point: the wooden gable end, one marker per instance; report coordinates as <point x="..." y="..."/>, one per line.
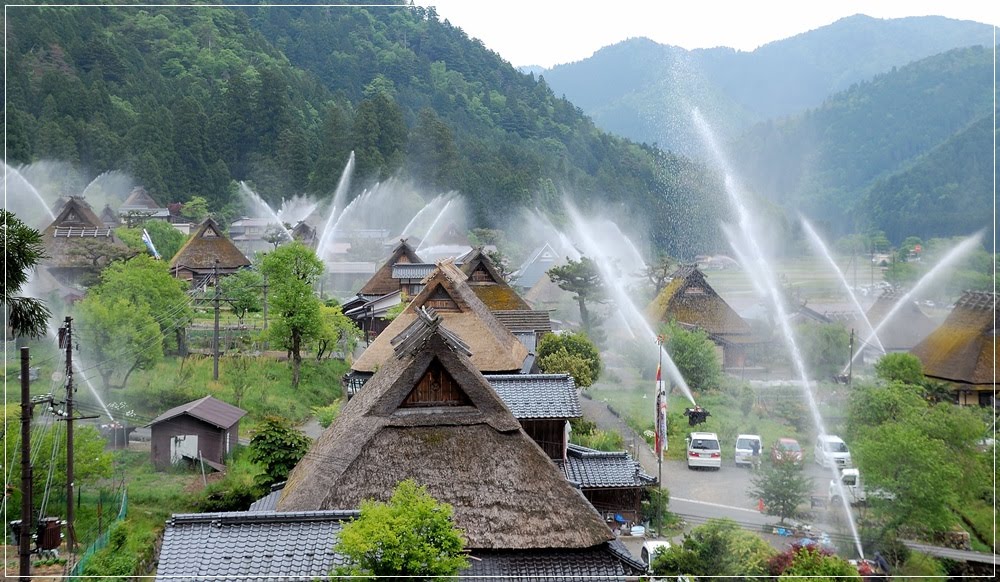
<point x="210" y="232"/>
<point x="440" y="300"/>
<point x="436" y="388"/>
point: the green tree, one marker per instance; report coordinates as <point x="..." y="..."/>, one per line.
<point x="195" y="209"/>
<point x="659" y="270"/>
<point x="783" y="487"/>
<point x="900" y="367"/>
<point x="412" y="535"/>
<point x="243" y="291"/>
<point x="694" y="355"/>
<point x="337" y="330"/>
<point x="825" y="348"/>
<point x="23" y="250"/>
<point x="718" y="548"/>
<point x="278" y="447"/>
<point x="818" y="565"/>
<point x="570" y="353"/>
<point x="167" y="239"/>
<point x="275" y="234"/>
<point x="143" y="280"/>
<point x="120" y="336"/>
<point x="292" y="269"/>
<point x="583" y="279"/>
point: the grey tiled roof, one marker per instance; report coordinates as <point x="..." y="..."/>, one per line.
<point x="268" y="502"/>
<point x="245" y="546"/>
<point x="525" y="320"/>
<point x="275" y="545"/>
<point x="412" y="270"/>
<point x="599" y="469"/>
<point x="531" y="396"/>
<point x="604" y="563"/>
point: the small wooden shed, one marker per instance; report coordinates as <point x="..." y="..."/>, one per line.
<point x="206" y="429"/>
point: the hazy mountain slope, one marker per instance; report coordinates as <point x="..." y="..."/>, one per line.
<point x="823" y="161"/>
<point x="645" y="90"/>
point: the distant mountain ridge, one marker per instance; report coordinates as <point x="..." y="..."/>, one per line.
<point x="643" y="90"/>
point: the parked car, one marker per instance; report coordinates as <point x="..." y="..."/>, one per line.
<point x="703" y="450"/>
<point x="786" y="450"/>
<point x="649" y="550"/>
<point x="743" y="454"/>
<point x="831" y="450"/>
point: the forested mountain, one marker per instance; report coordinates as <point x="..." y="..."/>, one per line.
<point x="644" y="90"/>
<point x="189" y="99"/>
<point x="907" y="152"/>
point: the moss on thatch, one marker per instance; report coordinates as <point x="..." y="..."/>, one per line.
<point x="963" y="349"/>
<point x="689" y="299"/>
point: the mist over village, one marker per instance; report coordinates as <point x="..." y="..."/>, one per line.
<point x="318" y="292"/>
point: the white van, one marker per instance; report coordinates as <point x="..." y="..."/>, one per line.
<point x="831" y="450"/>
<point x="744" y="449"/>
<point x="703" y="450"/>
<point x="649" y="550"/>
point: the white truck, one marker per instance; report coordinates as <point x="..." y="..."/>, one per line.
<point x="853" y="489"/>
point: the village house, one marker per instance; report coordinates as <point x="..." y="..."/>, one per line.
<point x="380" y="293"/>
<point x="79" y="244"/>
<point x="206" y="253"/>
<point x="140" y="207"/>
<point x="689" y="300"/>
<point x="962" y="351"/>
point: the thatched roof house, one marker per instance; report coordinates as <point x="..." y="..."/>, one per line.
<point x="139" y="207"/>
<point x="430" y="416"/>
<point x="489" y="285"/>
<point x="535" y="267"/>
<point x="382" y="283"/>
<point x="78" y="242"/>
<point x="908" y="326"/>
<point x="963" y="350"/>
<point x="494" y="349"/>
<point x="690" y="300"/>
<point x="205" y="249"/>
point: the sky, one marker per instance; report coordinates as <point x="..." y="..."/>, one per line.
<point x="551" y="32"/>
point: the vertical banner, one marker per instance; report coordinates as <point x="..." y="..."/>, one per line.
<point x="661" y="415"/>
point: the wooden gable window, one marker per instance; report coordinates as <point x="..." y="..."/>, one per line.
<point x="436" y="388"/>
<point x="441" y="300"/>
<point x="482" y="275"/>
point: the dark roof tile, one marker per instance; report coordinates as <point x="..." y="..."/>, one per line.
<point x="533" y="396"/>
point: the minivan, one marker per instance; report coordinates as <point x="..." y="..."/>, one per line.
<point x="703" y="450"/>
<point x="831" y="450"/>
<point x="744" y="450"/>
<point x="649" y="550"/>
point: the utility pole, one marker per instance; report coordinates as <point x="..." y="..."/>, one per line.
<point x="24" y="551"/>
<point x="266" y="343"/>
<point x="850" y="362"/>
<point x="67" y="337"/>
<point x="215" y="337"/>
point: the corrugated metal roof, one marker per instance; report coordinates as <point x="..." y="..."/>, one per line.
<point x="207" y="409"/>
<point x="533" y="396"/>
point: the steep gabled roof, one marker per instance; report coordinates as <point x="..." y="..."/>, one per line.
<point x="382" y="282"/>
<point x="207" y="245"/>
<point x="76" y="213"/>
<point x="428" y="415"/>
<point x="139" y="199"/>
<point x="533" y="269"/>
<point x="207" y="409"/>
<point x="494" y="348"/>
<point x="964" y="348"/>
<point x="688" y="298"/>
<point x="908" y="326"/>
<point x="537" y="396"/>
<point x="489" y="285"/>
<point x="75" y="224"/>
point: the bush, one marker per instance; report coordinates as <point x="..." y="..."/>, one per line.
<point x="326" y="414"/>
<point x="574" y="344"/>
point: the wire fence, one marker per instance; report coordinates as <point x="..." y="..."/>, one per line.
<point x="102" y="540"/>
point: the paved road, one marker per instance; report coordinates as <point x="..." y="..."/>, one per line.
<point x="963" y="555"/>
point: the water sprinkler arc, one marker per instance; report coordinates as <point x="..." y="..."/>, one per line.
<point x="9" y="170"/>
<point x="260" y="202"/>
<point x="343" y="184"/>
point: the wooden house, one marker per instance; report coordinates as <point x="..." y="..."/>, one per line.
<point x="305" y="234"/>
<point x="206" y="430"/>
<point x="381" y="292"/>
<point x="612" y="481"/>
<point x="78" y="243"/>
<point x="963" y="350"/>
<point x="689" y="300"/>
<point x="139" y="207"/>
<point x="543" y="404"/>
<point x="382" y="282"/>
<point x="448" y="430"/>
<point x="205" y="251"/>
<point x="907" y="328"/>
<point x="495" y="350"/>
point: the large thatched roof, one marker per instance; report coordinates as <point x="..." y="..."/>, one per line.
<point x="204" y="247"/>
<point x="382" y="282"/>
<point x="964" y="348"/>
<point x="688" y="298"/>
<point x="489" y="285"/>
<point x="494" y="348"/>
<point x="428" y="415"/>
<point x="908" y="326"/>
<point x="76" y="226"/>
